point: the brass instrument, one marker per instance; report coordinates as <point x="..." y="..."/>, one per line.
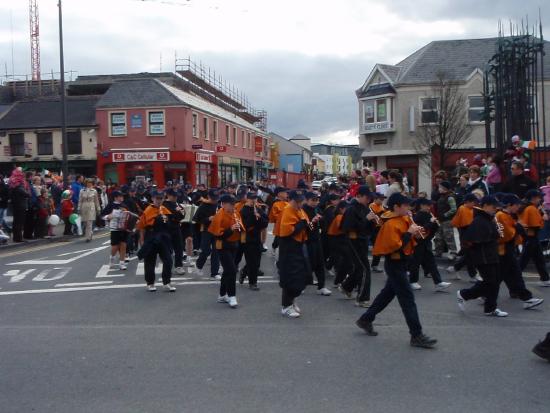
<point x="238" y="221"/>
<point x="500" y="227"/>
<point x="414" y="223"/>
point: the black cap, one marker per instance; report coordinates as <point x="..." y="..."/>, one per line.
<point x="227" y="199"/>
<point x="296" y="195"/>
<point x="334" y="197"/>
<point x="213" y="194"/>
<point x="171" y="192"/>
<point x="490" y="200"/>
<point x="280" y="189"/>
<point x="157" y="194"/>
<point x="114" y="194"/>
<point x="124" y="189"/>
<point x="333" y="186"/>
<point x="364" y="190"/>
<point x="378" y="195"/>
<point x="470" y="198"/>
<point x="311" y="195"/>
<point x="251" y="195"/>
<point x="532" y="193"/>
<point x="510" y="199"/>
<point x="446" y="185"/>
<point x="342" y="204"/>
<point x="398" y="199"/>
<point x="423" y="201"/>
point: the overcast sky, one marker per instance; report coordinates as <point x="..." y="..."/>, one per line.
<point x="301" y="60"/>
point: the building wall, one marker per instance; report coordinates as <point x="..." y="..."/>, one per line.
<point x="291" y="163"/>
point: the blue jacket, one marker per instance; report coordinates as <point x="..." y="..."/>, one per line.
<point x="76" y="188"/>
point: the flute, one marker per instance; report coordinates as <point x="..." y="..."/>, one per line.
<point x="414" y="223"/>
<point x="238" y="221"/>
<point x="377" y="218"/>
<point x="435" y="219"/>
<point x="500" y="227"/>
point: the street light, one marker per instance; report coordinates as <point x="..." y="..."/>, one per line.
<point x="64" y="162"/>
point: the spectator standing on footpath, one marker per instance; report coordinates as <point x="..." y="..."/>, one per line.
<point x="19" y="194"/>
<point x="88" y="207"/>
<point x="518" y="183"/>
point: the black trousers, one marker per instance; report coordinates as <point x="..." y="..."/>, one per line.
<point x="464" y="261"/>
<point x="532" y="249"/>
<point x="18" y="224"/>
<point x="376" y="258"/>
<point x="397" y="284"/>
<point x="288" y="297"/>
<point x="177" y="245"/>
<point x="317" y="262"/>
<point x="341" y="255"/>
<point x="239" y="255"/>
<point x="423" y="256"/>
<point x="229" y="275"/>
<point x="68" y="227"/>
<point x="360" y="276"/>
<point x="510" y="273"/>
<point x="162" y="250"/>
<point x="487" y="288"/>
<point x="30" y="223"/>
<point x="253" y="257"/>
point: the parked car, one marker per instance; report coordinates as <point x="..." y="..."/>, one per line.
<point x="316" y="185"/>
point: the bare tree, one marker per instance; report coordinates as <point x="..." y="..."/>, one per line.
<point x="447" y="127"/>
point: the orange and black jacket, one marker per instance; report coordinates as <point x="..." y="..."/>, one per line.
<point x="512" y="231"/>
<point x="220" y="227"/>
<point x="239" y="205"/>
<point x="150" y="219"/>
<point x="254" y="226"/>
<point x="276" y="210"/>
<point x="355" y="223"/>
<point x="394" y="241"/>
<point x="335" y="227"/>
<point x="294" y="224"/>
<point x="531" y="219"/>
<point x="463" y="217"/>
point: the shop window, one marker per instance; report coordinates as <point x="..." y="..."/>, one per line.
<point x="156" y="123"/>
<point x="195" y="122"/>
<point x="118" y="123"/>
<point x="45" y="143"/>
<point x="17" y="144"/>
<point x="74" y="143"/>
<point x="215" y="130"/>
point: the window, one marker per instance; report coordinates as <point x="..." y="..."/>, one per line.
<point x="234" y="136"/>
<point x="17" y="144"/>
<point x="74" y="143"/>
<point x="45" y="143"/>
<point x="369" y="111"/>
<point x="381" y="110"/>
<point x="156" y="123"/>
<point x="118" y="123"/>
<point x="249" y="141"/>
<point x="430" y="110"/>
<point x="205" y="128"/>
<point x="227" y="136"/>
<point x="476" y="108"/>
<point x="215" y="132"/>
<point x="243" y="139"/>
<point x="195" y="121"/>
<point x="377" y="114"/>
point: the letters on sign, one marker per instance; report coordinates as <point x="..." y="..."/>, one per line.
<point x="141" y="156"/>
<point x="204" y="157"/>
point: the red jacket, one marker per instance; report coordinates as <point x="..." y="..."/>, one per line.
<point x="67" y="208"/>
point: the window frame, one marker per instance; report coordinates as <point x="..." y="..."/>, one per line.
<point x="477" y="108"/>
<point x="22" y="143"/>
<point x="38" y="143"/>
<point x="215" y="130"/>
<point x="205" y="127"/>
<point x="390" y="115"/>
<point x="422" y="110"/>
<point x="69" y="143"/>
<point x="235" y="143"/>
<point x="149" y="123"/>
<point x="111" y="125"/>
<point x="227" y="134"/>
<point x="243" y="138"/>
<point x="194" y="125"/>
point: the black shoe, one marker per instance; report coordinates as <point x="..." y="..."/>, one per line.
<point x="260" y="273"/>
<point x="542" y="349"/>
<point x="242" y="276"/>
<point x="254" y="287"/>
<point x="366" y="326"/>
<point x="423" y="341"/>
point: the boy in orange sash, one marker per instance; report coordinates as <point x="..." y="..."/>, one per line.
<point x="532" y="219"/>
<point x="395" y="242"/>
<point x="377" y="206"/>
<point x="275" y="213"/>
<point x="226" y="228"/>
<point x="293" y="264"/>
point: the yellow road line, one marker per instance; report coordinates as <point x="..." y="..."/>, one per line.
<point x="46" y="247"/>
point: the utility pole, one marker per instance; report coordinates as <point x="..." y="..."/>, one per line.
<point x="64" y="146"/>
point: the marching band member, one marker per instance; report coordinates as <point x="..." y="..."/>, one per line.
<point x="226" y="228"/>
<point x="174" y="220"/>
<point x="204" y="216"/>
<point x="396" y="243"/>
<point x="112" y="213"/>
<point x="275" y="213"/>
<point x="329" y="213"/>
<point x="509" y="269"/>
<point x="155" y="240"/>
<point x="377" y="206"/>
<point x="481" y="238"/>
<point x="337" y="242"/>
<point x="293" y="263"/>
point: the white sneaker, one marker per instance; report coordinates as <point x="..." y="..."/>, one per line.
<point x="169" y="288"/>
<point x="122" y="265"/>
<point x="544" y="284"/>
<point x="497" y="313"/>
<point x="188" y="263"/>
<point x="232" y="301"/>
<point x="112" y="262"/>
<point x="532" y="303"/>
<point x="223" y="299"/>
<point x="450" y="257"/>
<point x="296" y="308"/>
<point x="290" y="312"/>
<point x="442" y="286"/>
<point x="460" y="301"/>
<point x="451" y="269"/>
<point x="216" y="277"/>
<point x="180" y="270"/>
<point x="151" y="288"/>
<point x="376" y="269"/>
<point x="324" y="291"/>
<point x="416" y="286"/>
<point x="199" y="271"/>
<point x="477" y="278"/>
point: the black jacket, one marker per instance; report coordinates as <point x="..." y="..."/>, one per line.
<point x="424" y="219"/>
<point x="519" y="185"/>
<point x="481" y="237"/>
<point x="355" y="222"/>
<point x="20" y="198"/>
<point x="203" y="214"/>
<point x="175" y="217"/>
<point x="313" y="235"/>
<point x="254" y="226"/>
<point x="4" y="195"/>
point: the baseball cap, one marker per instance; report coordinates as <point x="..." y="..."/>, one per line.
<point x="280" y="189"/>
<point x="532" y="193"/>
<point x="251" y="195"/>
<point x="311" y="195"/>
<point x="296" y="195"/>
<point x="398" y="199"/>
<point x="116" y="193"/>
<point x="157" y="194"/>
<point x="227" y="199"/>
<point x="171" y="192"/>
<point x="470" y="198"/>
<point x="490" y="200"/>
<point x="510" y="199"/>
<point x="364" y="190"/>
<point x="213" y="194"/>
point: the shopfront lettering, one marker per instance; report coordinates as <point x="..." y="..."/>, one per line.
<point x="141" y="156"/>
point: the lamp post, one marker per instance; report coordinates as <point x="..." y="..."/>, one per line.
<point x="65" y="162"/>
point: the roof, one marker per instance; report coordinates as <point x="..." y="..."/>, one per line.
<point x="287" y="147"/>
<point x="458" y="59"/>
<point x="4" y="108"/>
<point x="377" y="90"/>
<point x="137" y="93"/>
<point x="205" y="106"/>
<point x="46" y="113"/>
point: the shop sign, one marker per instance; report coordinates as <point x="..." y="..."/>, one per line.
<point x="141" y="156"/>
<point x="258" y="144"/>
<point x="272" y="176"/>
<point x="196" y="146"/>
<point x="221" y="148"/>
<point x="204" y="157"/>
<point x="247" y="162"/>
<point x="136" y="121"/>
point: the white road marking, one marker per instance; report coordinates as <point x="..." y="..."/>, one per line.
<point x="83" y="284"/>
<point x="140" y="270"/>
<point x="60" y="273"/>
<point x="106" y="243"/>
<point x="104" y="272"/>
<point x="17" y="275"/>
<point x="104" y="287"/>
<point x="84" y="253"/>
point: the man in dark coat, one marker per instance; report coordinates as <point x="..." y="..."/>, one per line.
<point x="518" y="183"/>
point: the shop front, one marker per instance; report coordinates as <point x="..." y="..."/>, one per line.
<point x="204" y="169"/>
<point x="247" y="170"/>
<point x="262" y="170"/>
<point x="229" y="170"/>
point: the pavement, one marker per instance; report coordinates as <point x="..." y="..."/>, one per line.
<point x="80" y="337"/>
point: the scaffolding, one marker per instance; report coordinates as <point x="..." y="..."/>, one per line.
<point x="204" y="82"/>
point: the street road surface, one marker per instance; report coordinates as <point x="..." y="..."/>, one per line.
<point x="77" y="336"/>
